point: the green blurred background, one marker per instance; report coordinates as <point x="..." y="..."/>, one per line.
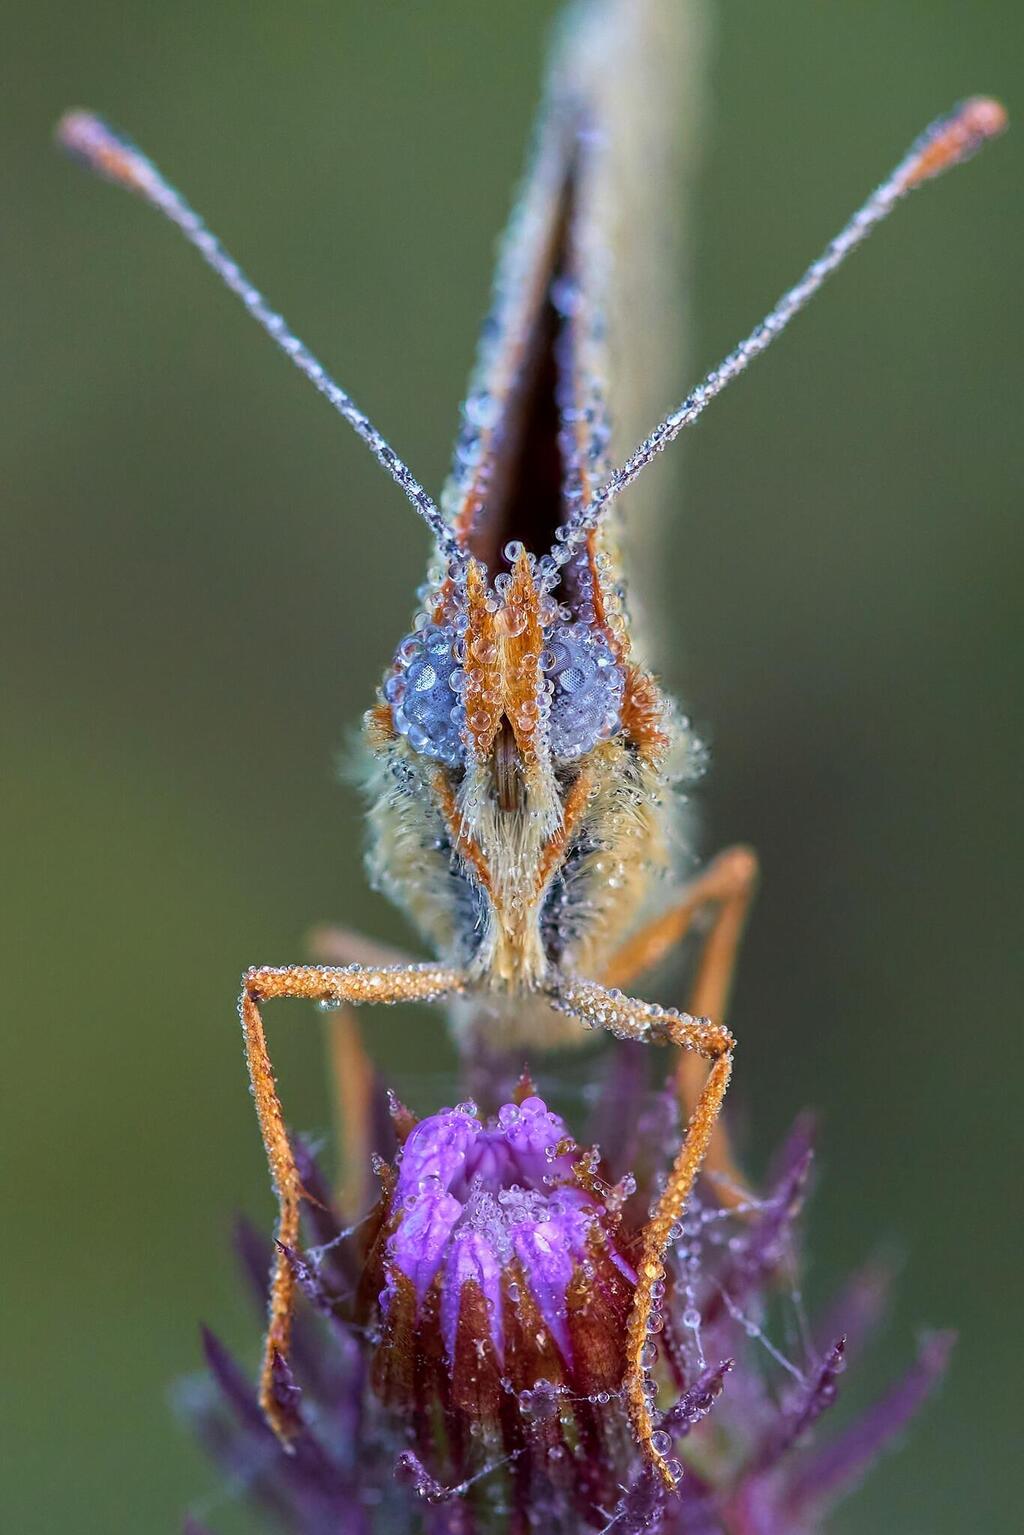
<point x="203" y="574"/>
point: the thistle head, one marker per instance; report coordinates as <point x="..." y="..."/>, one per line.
<point x="458" y="1361"/>
<point x="497" y="1276"/>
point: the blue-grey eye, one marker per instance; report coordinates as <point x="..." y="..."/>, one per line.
<point x="587" y="684"/>
<point x="425" y="694"/>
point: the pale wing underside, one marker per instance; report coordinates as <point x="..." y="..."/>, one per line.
<point x="583" y="345"/>
<point x="643" y="62"/>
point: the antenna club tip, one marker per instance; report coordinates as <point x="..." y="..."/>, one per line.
<point x="984" y="116"/>
<point x="955" y="138"/>
<point x="89" y="139"/>
<point x="81" y="132"/>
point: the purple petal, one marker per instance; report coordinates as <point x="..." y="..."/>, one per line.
<point x="615" y="1121"/>
<point x="287" y="1394"/>
<point x="641" y="1505"/>
<point x="447" y="1513"/>
<point x="471" y="1256"/>
<point x="795" y="1150"/>
<point x="696" y="1402"/>
<point x="487" y="1160"/>
<point x="418" y="1243"/>
<point x="255" y="1253"/>
<point x="816" y="1395"/>
<point x="339" y="1267"/>
<point x="532" y="1137"/>
<point x="840" y="1464"/>
<point x="411" y="1472"/>
<point x="519" y="1149"/>
<point x="859" y="1307"/>
<point x="304" y="1474"/>
<point x="766" y="1241"/>
<point x="547" y="1251"/>
<point x="235" y="1386"/>
<point x="436" y="1151"/>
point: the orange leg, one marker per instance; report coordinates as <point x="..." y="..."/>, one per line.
<point x="629" y="1018"/>
<point x="314" y="983"/>
<point x="351" y="1070"/>
<point x="726" y="887"/>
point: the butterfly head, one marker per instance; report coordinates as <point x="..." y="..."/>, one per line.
<point x="512" y="709"/>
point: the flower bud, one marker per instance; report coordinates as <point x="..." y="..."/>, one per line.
<point x="496" y="1269"/>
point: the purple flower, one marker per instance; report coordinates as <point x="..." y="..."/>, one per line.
<point x="459" y="1360"/>
<point x="496" y="1267"/>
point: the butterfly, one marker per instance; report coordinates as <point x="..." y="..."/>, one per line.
<point x="521" y="759"/>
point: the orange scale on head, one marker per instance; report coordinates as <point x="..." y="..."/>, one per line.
<point x="483" y="692"/>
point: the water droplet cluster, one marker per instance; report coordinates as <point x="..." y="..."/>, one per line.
<point x="425" y="692"/>
<point x="587" y="688"/>
<point x="572" y="700"/>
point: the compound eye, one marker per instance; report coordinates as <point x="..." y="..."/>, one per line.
<point x="422" y="691"/>
<point x="587" y="688"/>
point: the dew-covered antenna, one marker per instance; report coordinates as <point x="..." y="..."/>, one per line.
<point x="949" y="141"/>
<point x="90" y="140"/>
